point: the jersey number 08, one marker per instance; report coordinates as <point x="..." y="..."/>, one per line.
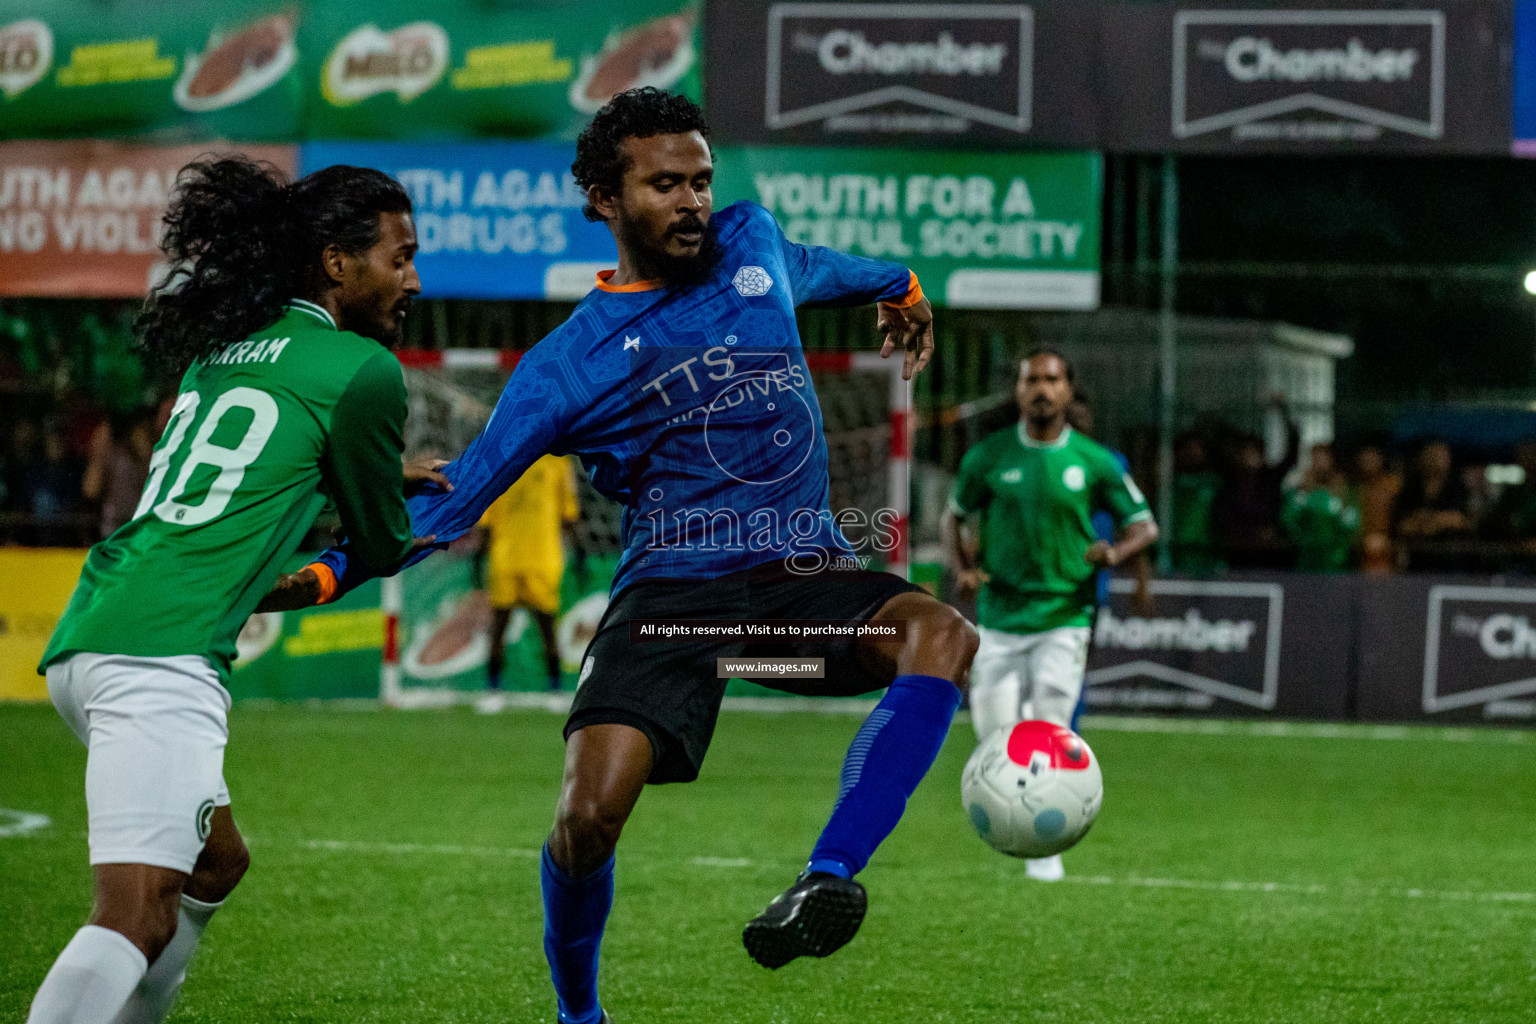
<point x="230" y="462"/>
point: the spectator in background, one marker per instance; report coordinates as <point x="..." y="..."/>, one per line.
<point x="119" y="465"/>
<point x="1432" y="510"/>
<point x="1246" y="512"/>
<point x="1322" y="515"/>
<point x="1195" y="487"/>
<point x="1377" y="488"/>
<point x="1512" y="519"/>
<point x="51" y="490"/>
<point x="21" y="451"/>
<point x="1474" y="480"/>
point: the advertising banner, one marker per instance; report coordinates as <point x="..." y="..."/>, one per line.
<point x="981" y="230"/>
<point x="1271" y="646"/>
<point x="1448" y="651"/>
<point x="82" y="219"/>
<point x="1241" y="77"/>
<point x="38" y="585"/>
<point x="456" y="68"/>
<point x="903" y="73"/>
<point x="494" y="220"/>
<point x="334" y="651"/>
<point x="282" y="70"/>
<point x="192" y="69"/>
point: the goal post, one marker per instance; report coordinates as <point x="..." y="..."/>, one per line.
<point x="435" y="639"/>
<point x="859" y="431"/>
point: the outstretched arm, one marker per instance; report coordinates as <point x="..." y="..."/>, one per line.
<point x="826" y="277"/>
<point x="524" y="425"/>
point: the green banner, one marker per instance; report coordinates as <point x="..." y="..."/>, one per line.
<point x="173" y="71"/>
<point x="400" y="69"/>
<point x="981" y="230"/>
<point x="254" y="70"/>
<point x="334" y="651"/>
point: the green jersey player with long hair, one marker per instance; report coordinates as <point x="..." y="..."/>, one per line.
<point x="281" y="308"/>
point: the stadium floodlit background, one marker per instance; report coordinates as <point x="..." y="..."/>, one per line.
<point x="1288" y="251"/>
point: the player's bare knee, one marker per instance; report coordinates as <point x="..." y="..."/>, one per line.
<point x="149" y="924"/>
<point x="215" y="877"/>
<point x="946" y="642"/>
<point x="589" y="831"/>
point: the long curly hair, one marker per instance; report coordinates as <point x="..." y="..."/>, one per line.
<point x="636" y="114"/>
<point x="241" y="241"/>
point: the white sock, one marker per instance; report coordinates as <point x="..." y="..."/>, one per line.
<point x="151" y="1000"/>
<point x="1045" y="869"/>
<point x="91" y="979"/>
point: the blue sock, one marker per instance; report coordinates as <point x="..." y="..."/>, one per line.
<point x="888" y="758"/>
<point x="575" y="911"/>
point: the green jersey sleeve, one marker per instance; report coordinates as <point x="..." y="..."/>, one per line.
<point x="971" y="493"/>
<point x="361" y="467"/>
<point x="1118" y="494"/>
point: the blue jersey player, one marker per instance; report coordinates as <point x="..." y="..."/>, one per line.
<point x="681" y="384"/>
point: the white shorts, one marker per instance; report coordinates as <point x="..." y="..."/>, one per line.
<point x="155" y="730"/>
<point x="1020" y="676"/>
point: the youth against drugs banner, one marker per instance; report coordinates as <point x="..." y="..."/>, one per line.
<point x="495" y="220"/>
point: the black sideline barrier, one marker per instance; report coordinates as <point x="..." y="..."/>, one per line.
<point x="1293" y="645"/>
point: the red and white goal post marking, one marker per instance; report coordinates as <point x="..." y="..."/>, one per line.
<point x="898" y="469"/>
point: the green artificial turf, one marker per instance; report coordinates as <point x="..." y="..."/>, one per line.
<point x="1231" y="877"/>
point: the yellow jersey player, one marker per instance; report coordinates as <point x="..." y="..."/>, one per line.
<point x="524" y="560"/>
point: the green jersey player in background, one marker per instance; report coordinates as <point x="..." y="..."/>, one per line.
<point x="1034" y="488"/>
<point x="281" y="308"/>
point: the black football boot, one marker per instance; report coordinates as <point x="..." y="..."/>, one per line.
<point x="816" y="916"/>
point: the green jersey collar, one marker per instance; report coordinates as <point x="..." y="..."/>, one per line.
<point x="318" y="312"/>
<point x="1050" y="446"/>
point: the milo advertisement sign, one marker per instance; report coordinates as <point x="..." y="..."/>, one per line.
<point x="995" y="231"/>
<point x="393" y="69"/>
<point x="179" y="71"/>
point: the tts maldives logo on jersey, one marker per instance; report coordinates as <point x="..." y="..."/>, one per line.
<point x="925" y="68"/>
<point x="1309" y="76"/>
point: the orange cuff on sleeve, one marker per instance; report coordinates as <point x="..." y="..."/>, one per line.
<point x="913" y="297"/>
<point x="327" y="581"/>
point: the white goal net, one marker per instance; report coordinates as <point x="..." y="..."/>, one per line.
<point x="436" y="623"/>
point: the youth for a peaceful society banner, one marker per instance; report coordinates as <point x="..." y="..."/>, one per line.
<point x="82" y="218"/>
<point x="494" y="220"/>
<point x="998" y="231"/>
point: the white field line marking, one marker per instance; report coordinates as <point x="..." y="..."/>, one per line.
<point x="1298" y="889"/>
<point x="560" y="703"/>
<point x="1304" y="730"/>
<point x="1346" y="890"/>
<point x="446" y="849"/>
<point x="19" y="823"/>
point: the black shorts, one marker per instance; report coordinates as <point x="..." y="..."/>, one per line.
<point x="669" y="690"/>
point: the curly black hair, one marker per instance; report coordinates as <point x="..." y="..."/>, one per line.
<point x="636" y="114"/>
<point x="241" y="241"/>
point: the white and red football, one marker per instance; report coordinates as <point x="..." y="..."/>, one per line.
<point x="1032" y="790"/>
